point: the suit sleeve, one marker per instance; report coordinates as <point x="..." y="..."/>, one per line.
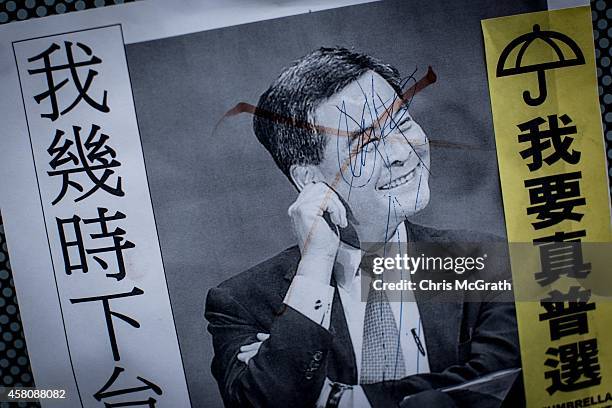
<point x="289" y="369"/>
<point x="494" y="346"/>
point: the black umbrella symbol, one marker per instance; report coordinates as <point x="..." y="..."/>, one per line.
<point x="553" y="39"/>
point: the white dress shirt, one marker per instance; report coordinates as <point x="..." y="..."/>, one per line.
<point x="314" y="300"/>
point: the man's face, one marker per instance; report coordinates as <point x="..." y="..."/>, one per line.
<point x="383" y="173"/>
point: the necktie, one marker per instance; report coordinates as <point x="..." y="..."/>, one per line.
<point x="382" y="357"/>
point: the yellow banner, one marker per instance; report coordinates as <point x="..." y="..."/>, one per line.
<point x="548" y="132"/>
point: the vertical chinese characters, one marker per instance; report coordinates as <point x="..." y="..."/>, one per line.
<point x="86" y="166"/>
<point x="556" y="211"/>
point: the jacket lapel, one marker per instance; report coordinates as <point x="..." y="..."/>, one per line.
<point x="341" y="365"/>
<point x="441" y="315"/>
<point x="441" y="321"/>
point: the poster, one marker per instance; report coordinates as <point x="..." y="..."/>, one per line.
<point x="200" y="150"/>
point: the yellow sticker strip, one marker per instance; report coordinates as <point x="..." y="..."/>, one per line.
<point x="551" y="156"/>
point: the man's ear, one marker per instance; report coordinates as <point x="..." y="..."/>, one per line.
<point x="304" y="174"/>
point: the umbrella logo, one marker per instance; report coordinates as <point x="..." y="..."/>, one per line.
<point x="556" y="41"/>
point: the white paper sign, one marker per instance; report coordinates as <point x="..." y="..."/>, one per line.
<point x="106" y="261"/>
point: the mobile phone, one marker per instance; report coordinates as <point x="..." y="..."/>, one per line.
<point x="348" y="234"/>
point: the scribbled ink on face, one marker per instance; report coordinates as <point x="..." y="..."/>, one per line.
<point x="381" y="171"/>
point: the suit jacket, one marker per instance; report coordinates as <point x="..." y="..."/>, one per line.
<point x="464" y="339"/>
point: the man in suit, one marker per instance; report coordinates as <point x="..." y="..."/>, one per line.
<point x="295" y="331"/>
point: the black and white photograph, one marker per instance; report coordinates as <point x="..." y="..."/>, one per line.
<point x="275" y="152"/>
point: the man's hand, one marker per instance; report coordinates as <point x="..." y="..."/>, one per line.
<point x="249" y="351"/>
<point x="318" y="242"/>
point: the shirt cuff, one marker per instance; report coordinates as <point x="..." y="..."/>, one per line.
<point x="311" y="298"/>
<point x="324" y="395"/>
<point x="356" y="398"/>
<point x="351" y="398"/>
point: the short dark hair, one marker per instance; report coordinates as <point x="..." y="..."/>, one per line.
<point x="296" y="94"/>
